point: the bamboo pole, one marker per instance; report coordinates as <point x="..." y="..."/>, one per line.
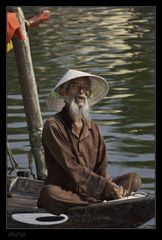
<point x="30" y="96"/>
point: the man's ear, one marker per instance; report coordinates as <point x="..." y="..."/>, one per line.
<point x="90" y="91"/>
<point x="62" y="91"/>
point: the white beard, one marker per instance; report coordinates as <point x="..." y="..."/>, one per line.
<point x="77" y="113"/>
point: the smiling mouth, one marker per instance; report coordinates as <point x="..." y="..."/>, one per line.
<point x="80" y="99"/>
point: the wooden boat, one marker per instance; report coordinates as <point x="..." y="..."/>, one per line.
<point x="22" y="211"/>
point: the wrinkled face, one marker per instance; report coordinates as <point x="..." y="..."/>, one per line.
<point x="77" y="89"/>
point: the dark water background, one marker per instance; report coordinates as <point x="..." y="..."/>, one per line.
<point x="117" y="43"/>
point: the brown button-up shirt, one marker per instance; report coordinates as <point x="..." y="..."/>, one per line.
<point x="76" y="163"/>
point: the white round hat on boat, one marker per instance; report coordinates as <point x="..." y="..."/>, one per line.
<point x="99" y="89"/>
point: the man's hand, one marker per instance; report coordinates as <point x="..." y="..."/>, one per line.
<point x="114" y="191"/>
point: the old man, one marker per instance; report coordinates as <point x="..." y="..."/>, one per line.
<point x="75" y="151"/>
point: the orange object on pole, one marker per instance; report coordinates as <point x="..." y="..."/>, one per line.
<point x="13" y="27"/>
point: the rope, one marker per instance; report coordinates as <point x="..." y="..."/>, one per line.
<point x="12" y="160"/>
<point x="14" y="164"/>
<point x="130" y="182"/>
<point x="30" y="161"/>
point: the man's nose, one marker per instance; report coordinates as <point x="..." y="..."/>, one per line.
<point x="81" y="89"/>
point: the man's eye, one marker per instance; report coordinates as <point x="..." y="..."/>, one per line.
<point x="73" y="86"/>
<point x="86" y="89"/>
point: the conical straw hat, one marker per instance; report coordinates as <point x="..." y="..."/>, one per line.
<point x="99" y="88"/>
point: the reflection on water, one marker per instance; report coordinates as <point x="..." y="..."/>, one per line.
<point x="117" y="43"/>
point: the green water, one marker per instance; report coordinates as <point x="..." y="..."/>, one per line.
<point x="117" y="43"/>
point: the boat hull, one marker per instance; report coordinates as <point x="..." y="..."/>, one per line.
<point x="127" y="213"/>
